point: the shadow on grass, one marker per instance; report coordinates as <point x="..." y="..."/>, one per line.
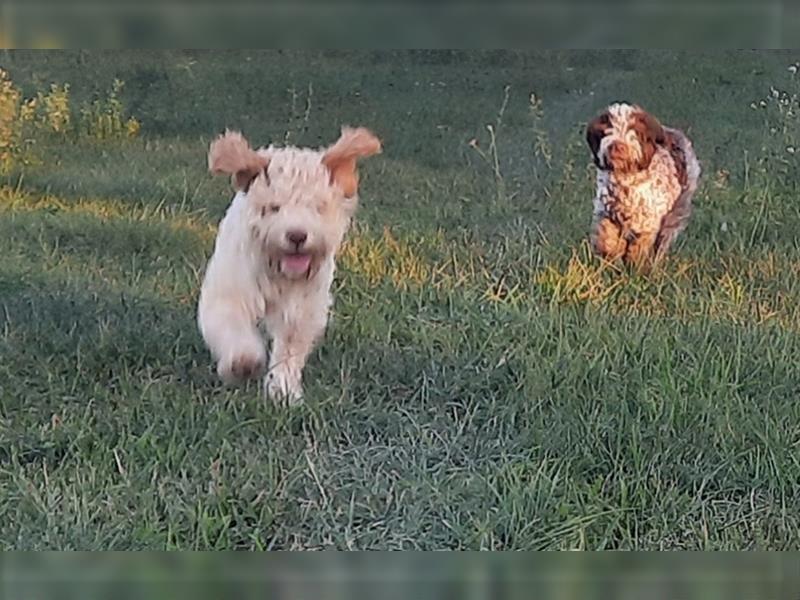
<point x="92" y="334"/>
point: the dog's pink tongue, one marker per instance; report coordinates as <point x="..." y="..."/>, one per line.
<point x="296" y="264"/>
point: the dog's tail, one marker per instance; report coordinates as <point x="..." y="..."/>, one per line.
<point x="673" y="223"/>
<point x="676" y="220"/>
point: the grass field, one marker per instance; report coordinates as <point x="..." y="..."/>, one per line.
<point x="484" y="383"/>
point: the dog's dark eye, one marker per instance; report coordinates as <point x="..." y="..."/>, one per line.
<point x="273" y="208"/>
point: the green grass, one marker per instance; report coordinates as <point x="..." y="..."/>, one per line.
<point x="484" y="382"/>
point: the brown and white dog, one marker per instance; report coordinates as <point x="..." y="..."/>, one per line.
<point x="646" y="177"/>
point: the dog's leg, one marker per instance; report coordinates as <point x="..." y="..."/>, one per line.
<point x="640" y="249"/>
<point x="607" y="239"/>
<point x="231" y="303"/>
<point x="292" y="342"/>
<point x="284" y="379"/>
<point x="233" y="338"/>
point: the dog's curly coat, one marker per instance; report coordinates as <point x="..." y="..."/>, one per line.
<point x="274" y="256"/>
<point x="646" y="177"/>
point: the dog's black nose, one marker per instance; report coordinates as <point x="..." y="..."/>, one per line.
<point x="296" y="237"/>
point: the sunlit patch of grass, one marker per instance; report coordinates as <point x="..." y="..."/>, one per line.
<point x="431" y="261"/>
<point x="684" y="289"/>
<point x="27" y="125"/>
<point x="388" y="258"/>
<point x="584" y="280"/>
<point x="740" y="292"/>
<point x="15" y="201"/>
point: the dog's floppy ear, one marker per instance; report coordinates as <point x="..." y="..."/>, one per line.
<point x="653" y="128"/>
<point x="230" y="153"/>
<point x="651" y="134"/>
<point x="340" y="158"/>
<point x="595" y="132"/>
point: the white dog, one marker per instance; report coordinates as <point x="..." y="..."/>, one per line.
<point x="273" y="260"/>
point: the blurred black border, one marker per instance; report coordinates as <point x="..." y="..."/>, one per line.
<point x="373" y="576"/>
<point x="386" y="24"/>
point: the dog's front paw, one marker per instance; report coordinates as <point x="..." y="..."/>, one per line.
<point x="241" y="367"/>
<point x="284" y="386"/>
